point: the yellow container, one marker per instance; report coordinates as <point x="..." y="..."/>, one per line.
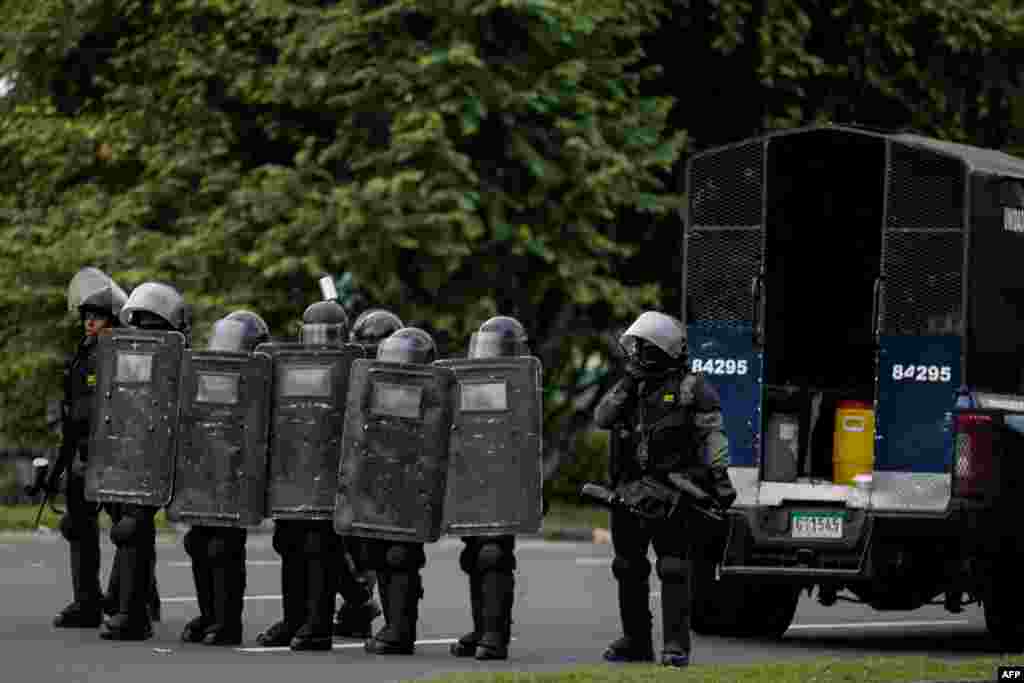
<point x="853" y="450"/>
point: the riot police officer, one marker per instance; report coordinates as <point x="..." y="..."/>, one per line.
<point x="151" y="306"/>
<point x="490" y="561"/>
<point x="399" y="564"/>
<point x="314" y="563"/>
<point x="676" y="417"/>
<point x="98" y="301"/>
<point x="218" y="552"/>
<point x="358" y="609"/>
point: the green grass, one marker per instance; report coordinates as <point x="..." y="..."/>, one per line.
<point x="866" y="670"/>
<point x="23" y="517"/>
<point x="563" y="517"/>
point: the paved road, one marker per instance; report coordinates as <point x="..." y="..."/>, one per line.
<point x="565" y="613"/>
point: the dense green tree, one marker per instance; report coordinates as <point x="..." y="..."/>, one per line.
<point x="458" y="159"/>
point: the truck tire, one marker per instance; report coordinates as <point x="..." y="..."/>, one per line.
<point x="740" y="607"/>
<point x="1003" y="602"/>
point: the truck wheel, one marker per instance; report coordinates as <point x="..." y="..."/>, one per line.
<point x="1004" y="611"/>
<point x="734" y="607"/>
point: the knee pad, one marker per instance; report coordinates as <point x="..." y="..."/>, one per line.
<point x="195" y="543"/>
<point x="223" y="547"/>
<point x="467" y="558"/>
<point x="67" y="528"/>
<point x="320" y="541"/>
<point x="127" y="532"/>
<point x="625" y="569"/>
<point x="284" y="538"/>
<point x="405" y="557"/>
<point x="673" y="569"/>
<point x="495" y="557"/>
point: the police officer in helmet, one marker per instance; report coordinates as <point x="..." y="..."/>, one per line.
<point x="677" y="418"/>
<point x="218" y="552"/>
<point x="314" y="564"/>
<point x="399" y="564"/>
<point x="356" y="613"/>
<point x="151" y="306"/>
<point x="98" y="300"/>
<point x="490" y="561"/>
<point x="372" y="327"/>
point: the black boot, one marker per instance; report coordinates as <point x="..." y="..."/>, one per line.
<point x="202" y="575"/>
<point x="135" y="585"/>
<point x="228" y="601"/>
<point x="293" y="594"/>
<point x="315" y="633"/>
<point x="356" y="621"/>
<point x="675" y="614"/>
<point x="401" y="593"/>
<point x="498" y="592"/>
<point x="466" y="645"/>
<point x="86" y="609"/>
<point x="636" y="644"/>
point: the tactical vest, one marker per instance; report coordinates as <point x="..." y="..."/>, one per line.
<point x="81" y="387"/>
<point x="665" y="437"/>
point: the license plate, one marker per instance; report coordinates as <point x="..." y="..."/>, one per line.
<point x="817" y="524"/>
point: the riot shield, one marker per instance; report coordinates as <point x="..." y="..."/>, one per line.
<point x="394" y="456"/>
<point x="494" y="477"/>
<point x="307" y="416"/>
<point x="135" y="419"/>
<point x="221" y="462"/>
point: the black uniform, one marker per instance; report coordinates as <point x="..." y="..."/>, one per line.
<point x="217" y="552"/>
<point x="79" y="525"/>
<point x="153" y="306"/>
<point x="677" y="420"/>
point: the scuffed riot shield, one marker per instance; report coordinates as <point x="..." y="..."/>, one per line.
<point x="135" y="419"/>
<point x="494" y="477"/>
<point x="221" y="463"/>
<point x="394" y="456"/>
<point x="307" y="417"/>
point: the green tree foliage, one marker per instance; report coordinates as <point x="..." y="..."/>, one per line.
<point x="458" y="159"/>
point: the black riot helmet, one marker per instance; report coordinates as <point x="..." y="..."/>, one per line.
<point x="241" y="331"/>
<point x="501" y="336"/>
<point x="655" y="341"/>
<point x="155" y="306"/>
<point x="93" y="291"/>
<point x="374" y="326"/>
<point x="408" y="345"/>
<point x="324" y="323"/>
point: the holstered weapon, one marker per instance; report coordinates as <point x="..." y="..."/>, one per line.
<point x="654" y="500"/>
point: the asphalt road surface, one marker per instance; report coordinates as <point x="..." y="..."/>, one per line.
<point x="565" y="614"/>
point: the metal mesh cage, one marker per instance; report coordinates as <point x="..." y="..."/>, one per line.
<point x="725" y="234"/>
<point x="924" y="243"/>
<point x="926" y="190"/>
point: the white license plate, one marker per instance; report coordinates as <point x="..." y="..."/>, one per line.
<point x="817" y="525"/>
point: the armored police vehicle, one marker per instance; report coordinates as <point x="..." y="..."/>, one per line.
<point x="857" y="297"/>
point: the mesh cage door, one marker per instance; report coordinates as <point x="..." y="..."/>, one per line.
<point x="921" y="312"/>
<point x="723" y="246"/>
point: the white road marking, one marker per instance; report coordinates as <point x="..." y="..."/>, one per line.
<point x="879" y="624"/>
<point x="593" y="561"/>
<point x="347" y="646"/>
<point x="192" y="598"/>
<point x="248" y="563"/>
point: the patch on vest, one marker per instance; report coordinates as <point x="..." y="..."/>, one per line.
<point x="91" y="379"/>
<point x="669" y="398"/>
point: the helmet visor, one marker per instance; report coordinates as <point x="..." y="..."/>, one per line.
<point x="92" y="287"/>
<point x="228" y="335"/>
<point x="322" y="334"/>
<point x="495" y="345"/>
<point x="663" y="331"/>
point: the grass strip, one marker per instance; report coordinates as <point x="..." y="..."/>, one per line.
<point x="866" y="670"/>
<point x="23" y="517"/>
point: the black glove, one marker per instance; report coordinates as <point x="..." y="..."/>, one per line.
<point x="634" y="372"/>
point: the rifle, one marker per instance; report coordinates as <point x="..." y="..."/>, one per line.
<point x="654" y="500"/>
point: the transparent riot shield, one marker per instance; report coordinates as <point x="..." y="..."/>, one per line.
<point x="135" y="419"/>
<point x="307" y="417"/>
<point x="394" y="457"/>
<point x="494" y="477"/>
<point x="221" y="463"/>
